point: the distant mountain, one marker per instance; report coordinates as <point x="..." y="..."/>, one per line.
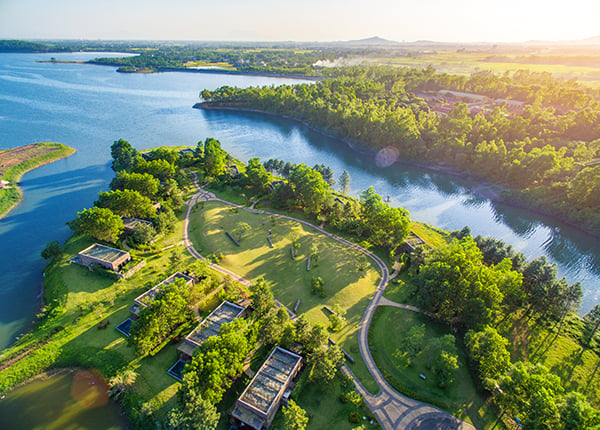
<point x="371" y="42"/>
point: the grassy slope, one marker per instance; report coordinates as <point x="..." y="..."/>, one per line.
<point x="460" y="398"/>
<point x="289" y="279"/>
<point x="89" y="299"/>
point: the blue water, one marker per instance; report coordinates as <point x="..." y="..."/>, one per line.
<point x="88" y="107"/>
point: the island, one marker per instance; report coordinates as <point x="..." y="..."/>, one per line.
<point x="14" y="163"/>
<point x="259" y="295"/>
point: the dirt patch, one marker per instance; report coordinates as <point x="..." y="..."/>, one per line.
<point x="13" y="156"/>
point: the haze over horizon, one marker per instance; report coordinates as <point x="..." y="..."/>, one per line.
<point x="311" y="20"/>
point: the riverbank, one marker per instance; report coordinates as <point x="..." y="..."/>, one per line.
<point x="14" y="163"/>
<point x="497" y="193"/>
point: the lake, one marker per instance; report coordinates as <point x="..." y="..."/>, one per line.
<point x="88" y="107"/>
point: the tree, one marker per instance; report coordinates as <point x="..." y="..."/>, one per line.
<point x="412" y="342"/>
<point x="143" y="234"/>
<point x="316" y="338"/>
<point x="344" y="182"/>
<point x="214" y="157"/>
<point x="160" y="317"/>
<point x="144" y="183"/>
<point x="576" y="413"/>
<point x="326" y="173"/>
<point x="593" y="317"/>
<point x="52" y="250"/>
<point x="309" y="188"/>
<point x="99" y="223"/>
<point x="195" y="414"/>
<point x="262" y="297"/>
<point x="126" y="203"/>
<point x="257" y="175"/>
<point x="165" y="221"/>
<point x="122" y="154"/>
<point x="530" y="392"/>
<point x="487" y="350"/>
<point x="443" y="358"/>
<point x="294" y="416"/>
<point x="325" y="365"/>
<point x="121" y="383"/>
<point x="176" y="259"/>
<point x="314" y="254"/>
<point x="317" y="286"/>
<point x="240" y="229"/>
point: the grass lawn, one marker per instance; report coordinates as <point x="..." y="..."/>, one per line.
<point x="345" y="285"/>
<point x="561" y="352"/>
<point x="460" y="398"/>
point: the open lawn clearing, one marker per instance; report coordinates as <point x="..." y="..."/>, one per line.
<point x="387" y="329"/>
<point x="345" y="285"/>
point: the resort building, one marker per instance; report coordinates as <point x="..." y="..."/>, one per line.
<point x="273" y="383"/>
<point x="146" y="298"/>
<point x="225" y="313"/>
<point x="129" y="223"/>
<point x="104" y="256"/>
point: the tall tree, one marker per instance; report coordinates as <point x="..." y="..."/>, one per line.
<point x="100" y="223"/>
<point x="344" y="181"/>
<point x="122" y="154"/>
<point x="487" y="350"/>
<point x="294" y="416"/>
<point x="593" y="317"/>
<point x="214" y="157"/>
<point x="262" y="297"/>
<point x="127" y="203"/>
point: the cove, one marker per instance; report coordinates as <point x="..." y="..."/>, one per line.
<point x="88" y="107"/>
<point x="70" y="399"/>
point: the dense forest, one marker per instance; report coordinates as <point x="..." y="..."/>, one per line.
<point x="548" y="151"/>
<point x="268" y="60"/>
<point x="23" y="46"/>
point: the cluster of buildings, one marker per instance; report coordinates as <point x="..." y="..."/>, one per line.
<point x="270" y="387"/>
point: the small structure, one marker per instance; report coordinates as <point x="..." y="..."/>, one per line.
<point x="146" y="298"/>
<point x="129" y="223"/>
<point x="275" y="184"/>
<point x="225" y="313"/>
<point x="4" y="185"/>
<point x="261" y="399"/>
<point x="104" y="256"/>
<point x="186" y="151"/>
<point x="233" y="171"/>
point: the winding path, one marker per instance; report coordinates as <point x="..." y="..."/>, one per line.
<point x="392" y="409"/>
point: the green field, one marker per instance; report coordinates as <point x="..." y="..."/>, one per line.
<point x="466" y="63"/>
<point x="346" y="286"/>
<point x="460" y="398"/>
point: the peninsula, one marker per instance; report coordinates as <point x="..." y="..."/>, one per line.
<point x="15" y="162"/>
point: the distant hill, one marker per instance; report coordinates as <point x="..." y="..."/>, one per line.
<point x="371" y="42"/>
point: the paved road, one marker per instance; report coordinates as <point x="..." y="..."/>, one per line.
<point x="392" y="409"/>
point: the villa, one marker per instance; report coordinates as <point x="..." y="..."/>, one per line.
<point x="225" y="313"/>
<point x="146" y="298"/>
<point x="104" y="256"/>
<point x="271" y="385"/>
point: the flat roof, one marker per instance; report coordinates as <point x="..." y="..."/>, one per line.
<point x="132" y="223"/>
<point x="104" y="253"/>
<point x="147" y="297"/>
<point x="225" y="313"/>
<point x="270" y="380"/>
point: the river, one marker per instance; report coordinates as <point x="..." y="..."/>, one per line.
<point x="88" y="107"/>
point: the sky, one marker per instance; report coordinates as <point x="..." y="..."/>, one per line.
<point x="304" y="20"/>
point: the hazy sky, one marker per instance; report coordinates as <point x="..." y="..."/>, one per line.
<point x="302" y="20"/>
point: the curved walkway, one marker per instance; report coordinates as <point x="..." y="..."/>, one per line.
<point x="392" y="409"/>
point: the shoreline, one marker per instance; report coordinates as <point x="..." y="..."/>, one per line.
<point x="485" y="189"/>
<point x="64" y="152"/>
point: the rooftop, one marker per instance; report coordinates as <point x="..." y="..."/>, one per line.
<point x="148" y="296"/>
<point x="270" y="381"/>
<point x="131" y="223"/>
<point x="104" y="253"/>
<point x="225" y="313"/>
